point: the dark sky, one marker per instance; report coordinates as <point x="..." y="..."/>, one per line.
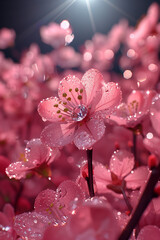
<point x="26" y="17"/>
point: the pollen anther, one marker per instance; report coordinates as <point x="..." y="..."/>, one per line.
<point x="79" y="97"/>
<point x="64" y="94"/>
<point x="76" y="89"/>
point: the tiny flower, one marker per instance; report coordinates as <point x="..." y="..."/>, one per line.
<point x="35" y="155"/>
<point x="78" y="114"/>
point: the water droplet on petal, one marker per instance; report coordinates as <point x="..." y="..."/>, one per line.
<point x="79" y="113"/>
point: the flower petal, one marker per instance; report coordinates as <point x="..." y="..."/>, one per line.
<point x="149" y="232"/>
<point x="102" y="178"/>
<point x="152" y="144"/>
<point x="90" y="133"/>
<point x="38" y="153"/>
<point x="31" y="225"/>
<point x="57" y="135"/>
<point x="121" y="163"/>
<point x="109" y="98"/>
<point x="92" y="81"/>
<point x="53" y="110"/>
<point x="137" y="178"/>
<point x="71" y="91"/>
<point x="17" y="170"/>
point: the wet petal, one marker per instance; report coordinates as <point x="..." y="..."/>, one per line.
<point x="72" y="91"/>
<point x="110" y="98"/>
<point x="137" y="178"/>
<point x="121" y="163"/>
<point x="95" y="221"/>
<point x="31" y="225"/>
<point x="53" y="110"/>
<point x="57" y="135"/>
<point x="92" y="81"/>
<point x="89" y="133"/>
<point x="18" y="170"/>
<point x="102" y="178"/>
<point x="38" y="153"/>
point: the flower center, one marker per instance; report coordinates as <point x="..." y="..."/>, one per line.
<point x="79" y="113"/>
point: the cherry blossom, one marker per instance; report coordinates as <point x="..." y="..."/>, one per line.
<point x="135" y="110"/>
<point x="78" y="115"/>
<point x="55" y="34"/>
<point x="36" y="154"/>
<point x="94" y="219"/>
<point x="51" y="208"/>
<point x="120" y="174"/>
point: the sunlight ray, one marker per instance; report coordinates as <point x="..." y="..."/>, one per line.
<point x="51" y="16"/>
<point x="91" y="16"/>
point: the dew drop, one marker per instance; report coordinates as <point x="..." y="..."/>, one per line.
<point x="79" y="113"/>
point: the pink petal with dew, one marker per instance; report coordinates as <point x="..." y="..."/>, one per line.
<point x="102" y="178"/>
<point x="149" y="232"/>
<point x="38" y="153"/>
<point x="94" y="220"/>
<point x="18" y="170"/>
<point x="152" y="144"/>
<point x="57" y="205"/>
<point x="71" y="193"/>
<point x="137" y="178"/>
<point x="92" y="82"/>
<point x="71" y="91"/>
<point x="57" y="135"/>
<point x="47" y="205"/>
<point x="31" y="225"/>
<point x="89" y="133"/>
<point x="121" y="163"/>
<point x="110" y="98"/>
<point x="155" y="113"/>
<point x="50" y="109"/>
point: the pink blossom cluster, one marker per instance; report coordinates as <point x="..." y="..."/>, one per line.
<point x="79" y="140"/>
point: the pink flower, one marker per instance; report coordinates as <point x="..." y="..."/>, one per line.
<point x="93" y="220"/>
<point x="135" y="110"/>
<point x="35" y="155"/>
<point x="51" y="208"/>
<point x="79" y="112"/>
<point x="7" y="37"/>
<point x="55" y="34"/>
<point x="120" y="174"/>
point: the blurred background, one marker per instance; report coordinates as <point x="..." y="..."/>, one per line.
<point x="27" y="16"/>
